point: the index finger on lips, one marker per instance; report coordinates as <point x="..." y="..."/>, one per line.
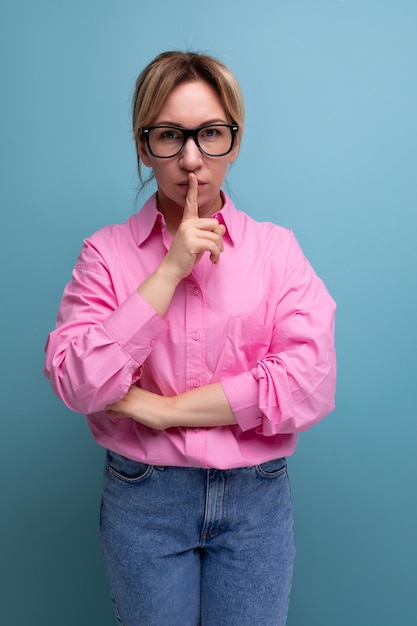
<point x="191" y="199"/>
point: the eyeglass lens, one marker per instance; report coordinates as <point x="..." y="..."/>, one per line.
<point x="212" y="140"/>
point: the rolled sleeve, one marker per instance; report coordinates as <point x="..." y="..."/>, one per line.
<point x="242" y="393"/>
<point x="99" y="345"/>
<point x="293" y="386"/>
<point x="122" y="326"/>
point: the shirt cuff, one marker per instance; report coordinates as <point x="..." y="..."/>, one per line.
<point x="135" y="326"/>
<point x="242" y="393"/>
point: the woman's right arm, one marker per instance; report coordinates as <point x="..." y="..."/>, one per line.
<point x="95" y="353"/>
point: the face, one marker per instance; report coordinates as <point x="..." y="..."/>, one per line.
<point x="190" y="105"/>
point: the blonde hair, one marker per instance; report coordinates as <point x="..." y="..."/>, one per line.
<point x="167" y="71"/>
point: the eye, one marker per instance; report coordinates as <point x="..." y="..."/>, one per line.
<point x="210" y="133"/>
<point x="169" y="134"/>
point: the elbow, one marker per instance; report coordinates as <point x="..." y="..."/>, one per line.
<point x="78" y="396"/>
<point x="297" y="405"/>
<point x="318" y="403"/>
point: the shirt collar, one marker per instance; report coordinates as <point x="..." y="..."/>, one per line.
<point x="149" y="218"/>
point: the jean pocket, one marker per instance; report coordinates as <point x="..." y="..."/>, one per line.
<point x="127" y="470"/>
<point x="272" y="469"/>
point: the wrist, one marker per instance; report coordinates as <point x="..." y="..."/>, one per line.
<point x="168" y="415"/>
<point x="168" y="274"/>
<point x="159" y="288"/>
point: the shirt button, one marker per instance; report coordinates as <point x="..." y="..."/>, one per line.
<point x="196" y="383"/>
<point x="196" y="291"/>
<point x="196" y="430"/>
<point x="196" y="336"/>
<point x="153" y="342"/>
<point x="259" y="420"/>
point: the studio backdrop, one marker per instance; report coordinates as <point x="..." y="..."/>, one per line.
<point x="329" y="151"/>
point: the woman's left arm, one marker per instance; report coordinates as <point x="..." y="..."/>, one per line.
<point x="202" y="407"/>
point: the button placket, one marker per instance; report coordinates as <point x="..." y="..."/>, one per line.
<point x="195" y="361"/>
<point x="194" y="335"/>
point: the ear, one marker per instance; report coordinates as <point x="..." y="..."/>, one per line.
<point x="235" y="149"/>
<point x="143" y="152"/>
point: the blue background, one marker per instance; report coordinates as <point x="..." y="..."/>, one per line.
<point x="330" y="150"/>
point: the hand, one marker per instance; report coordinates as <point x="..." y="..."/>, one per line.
<point x="194" y="236"/>
<point x="143" y="406"/>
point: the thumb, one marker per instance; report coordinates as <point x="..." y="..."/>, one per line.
<point x="191" y="199"/>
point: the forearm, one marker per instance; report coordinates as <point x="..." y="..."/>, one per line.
<point x="159" y="288"/>
<point x="202" y="407"/>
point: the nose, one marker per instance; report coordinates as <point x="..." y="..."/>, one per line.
<point x="191" y="157"/>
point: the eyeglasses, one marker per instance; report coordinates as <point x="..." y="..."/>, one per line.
<point x="165" y="142"/>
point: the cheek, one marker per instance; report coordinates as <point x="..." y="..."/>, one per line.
<point x="221" y="170"/>
<point x="163" y="174"/>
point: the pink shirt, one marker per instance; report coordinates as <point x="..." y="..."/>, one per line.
<point x="260" y="322"/>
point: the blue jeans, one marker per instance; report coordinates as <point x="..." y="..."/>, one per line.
<point x="197" y="547"/>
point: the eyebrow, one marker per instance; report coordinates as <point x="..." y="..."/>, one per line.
<point x="207" y="123"/>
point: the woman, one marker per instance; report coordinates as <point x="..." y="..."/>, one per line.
<point x="199" y="343"/>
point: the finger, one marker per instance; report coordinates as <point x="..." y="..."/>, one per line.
<point x="217" y="235"/>
<point x="208" y="224"/>
<point x="214" y="248"/>
<point x="115" y="414"/>
<point x="220" y="232"/>
<point x="191" y="199"/>
<point x="119" y="406"/>
<point x="210" y="239"/>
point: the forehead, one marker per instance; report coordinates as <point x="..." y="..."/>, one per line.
<point x="192" y="104"/>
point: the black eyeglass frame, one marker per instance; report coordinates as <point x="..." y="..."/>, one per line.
<point x="190" y="132"/>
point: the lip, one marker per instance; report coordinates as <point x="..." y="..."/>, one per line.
<point x="184" y="183"/>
